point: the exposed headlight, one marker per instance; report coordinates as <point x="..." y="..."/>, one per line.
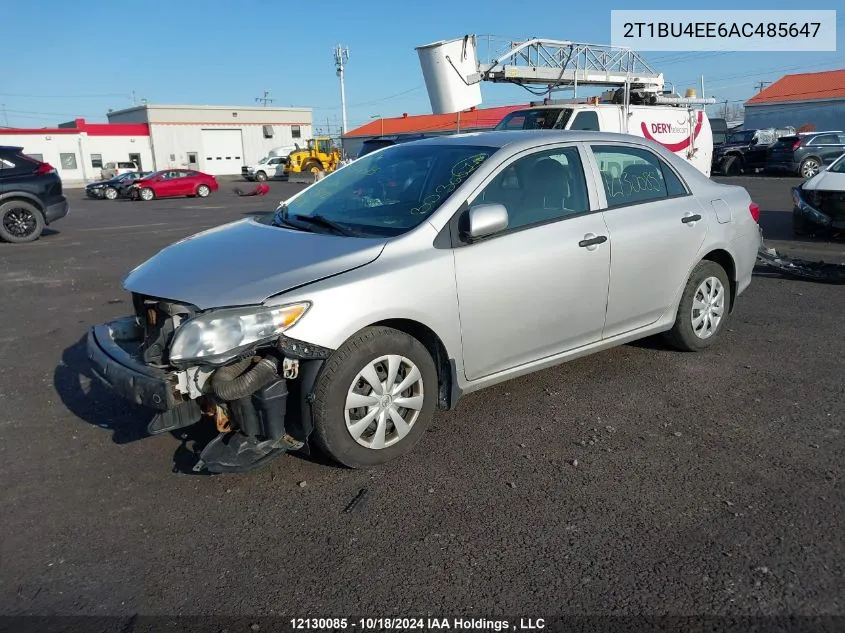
<point x="221" y="335"/>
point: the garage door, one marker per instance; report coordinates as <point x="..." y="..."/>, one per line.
<point x="222" y="152"/>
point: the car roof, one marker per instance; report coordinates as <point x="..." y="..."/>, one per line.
<point x="10" y="148"/>
<point x="526" y="139"/>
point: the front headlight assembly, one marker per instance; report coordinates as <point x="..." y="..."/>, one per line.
<point x="221" y="335"/>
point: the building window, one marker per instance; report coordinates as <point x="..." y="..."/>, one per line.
<point x="38" y="157"/>
<point x="68" y="160"/>
<point x="295" y="131"/>
<point x="97" y="161"/>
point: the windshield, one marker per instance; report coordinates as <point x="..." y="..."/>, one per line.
<point x="741" y="137"/>
<point x="541" y="119"/>
<point x="263" y="160"/>
<point x="386" y="193"/>
<point x="838" y="166"/>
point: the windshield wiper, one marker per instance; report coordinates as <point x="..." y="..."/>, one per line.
<point x="322" y="220"/>
<point x="280" y="218"/>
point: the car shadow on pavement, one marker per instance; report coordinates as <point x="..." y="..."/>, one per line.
<point x="89" y="400"/>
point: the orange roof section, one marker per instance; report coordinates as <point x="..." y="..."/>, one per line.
<point x="470" y="119"/>
<point x="829" y="84"/>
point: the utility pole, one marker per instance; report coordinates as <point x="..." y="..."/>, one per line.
<point x="134" y="102"/>
<point x="726" y="110"/>
<point x="762" y="85"/>
<point x="5" y="115"/>
<point x="702" y="86"/>
<point x="340" y="56"/>
<point x="264" y="100"/>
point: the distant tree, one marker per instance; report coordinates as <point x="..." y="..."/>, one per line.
<point x="807" y="127"/>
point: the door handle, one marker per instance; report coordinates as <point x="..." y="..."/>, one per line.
<point x="592" y="240"/>
<point x="690" y="218"/>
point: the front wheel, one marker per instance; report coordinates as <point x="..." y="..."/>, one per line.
<point x="110" y="193"/>
<point x="374" y="398"/>
<point x="260" y="176"/>
<point x="703" y="310"/>
<point x="203" y="191"/>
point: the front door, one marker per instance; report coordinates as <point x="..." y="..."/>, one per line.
<point x="540" y="286"/>
<point x="193" y="163"/>
<point x="656" y="227"/>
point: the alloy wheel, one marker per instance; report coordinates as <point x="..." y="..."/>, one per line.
<point x="20" y="222"/>
<point x="384" y="401"/>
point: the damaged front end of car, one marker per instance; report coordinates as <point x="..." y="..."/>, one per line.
<point x="232" y="367"/>
<point x="817" y="211"/>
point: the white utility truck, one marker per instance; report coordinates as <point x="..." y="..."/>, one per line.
<point x="636" y="103"/>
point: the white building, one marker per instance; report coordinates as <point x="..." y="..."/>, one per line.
<point x="78" y="149"/>
<point x="218" y="140"/>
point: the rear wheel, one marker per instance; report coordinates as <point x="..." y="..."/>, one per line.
<point x="810" y="167"/>
<point x="146" y="194"/>
<point x="203" y="191"/>
<point x="20" y="222"/>
<point x="703" y="310"/>
<point x="374" y="398"/>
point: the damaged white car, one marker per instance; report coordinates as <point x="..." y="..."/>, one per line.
<point x="819" y="203"/>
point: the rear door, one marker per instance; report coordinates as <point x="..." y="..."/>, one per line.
<point x="826" y="146"/>
<point x="656" y="228"/>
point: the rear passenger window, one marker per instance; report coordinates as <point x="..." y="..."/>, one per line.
<point x="586" y="120"/>
<point x="631" y="176"/>
<point x="826" y="139"/>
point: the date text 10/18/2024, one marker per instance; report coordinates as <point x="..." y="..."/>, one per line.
<point x="419" y="624"/>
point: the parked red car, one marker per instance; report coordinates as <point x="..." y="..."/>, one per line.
<point x="172" y="183"/>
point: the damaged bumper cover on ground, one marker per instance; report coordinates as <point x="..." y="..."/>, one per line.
<point x="802" y="268"/>
<point x="259" y="402"/>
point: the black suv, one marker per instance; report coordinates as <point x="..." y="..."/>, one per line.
<point x="30" y="196"/>
<point x="805" y="154"/>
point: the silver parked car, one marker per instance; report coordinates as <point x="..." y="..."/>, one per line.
<point x="416" y="274"/>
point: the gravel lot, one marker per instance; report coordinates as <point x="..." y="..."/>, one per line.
<point x="704" y="484"/>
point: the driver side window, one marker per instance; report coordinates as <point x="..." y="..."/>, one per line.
<point x="542" y="187"/>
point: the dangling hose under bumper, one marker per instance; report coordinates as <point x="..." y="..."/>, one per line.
<point x="236" y="381"/>
<point x="257" y="397"/>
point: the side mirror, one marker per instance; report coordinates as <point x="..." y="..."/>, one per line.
<point x="486" y="219"/>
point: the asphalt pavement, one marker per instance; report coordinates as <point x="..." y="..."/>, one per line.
<point x="638" y="480"/>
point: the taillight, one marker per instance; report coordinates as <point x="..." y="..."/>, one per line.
<point x="796" y="144"/>
<point x="754" y="209"/>
<point x="45" y="168"/>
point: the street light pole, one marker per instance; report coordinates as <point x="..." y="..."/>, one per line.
<point x="341" y="55"/>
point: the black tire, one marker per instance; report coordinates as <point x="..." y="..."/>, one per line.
<point x="260" y="176"/>
<point x="110" y="193"/>
<point x="337" y="376"/>
<point x="809" y="167"/>
<point x="731" y="166"/>
<point x="682" y="336"/>
<point x="311" y="166"/>
<point x="20" y="222"/>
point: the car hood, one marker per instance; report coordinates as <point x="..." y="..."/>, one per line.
<point x="826" y="181"/>
<point x="245" y="263"/>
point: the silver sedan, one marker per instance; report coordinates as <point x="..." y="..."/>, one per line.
<point x="422" y="272"/>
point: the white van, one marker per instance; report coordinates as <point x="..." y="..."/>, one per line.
<point x="681" y="129"/>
